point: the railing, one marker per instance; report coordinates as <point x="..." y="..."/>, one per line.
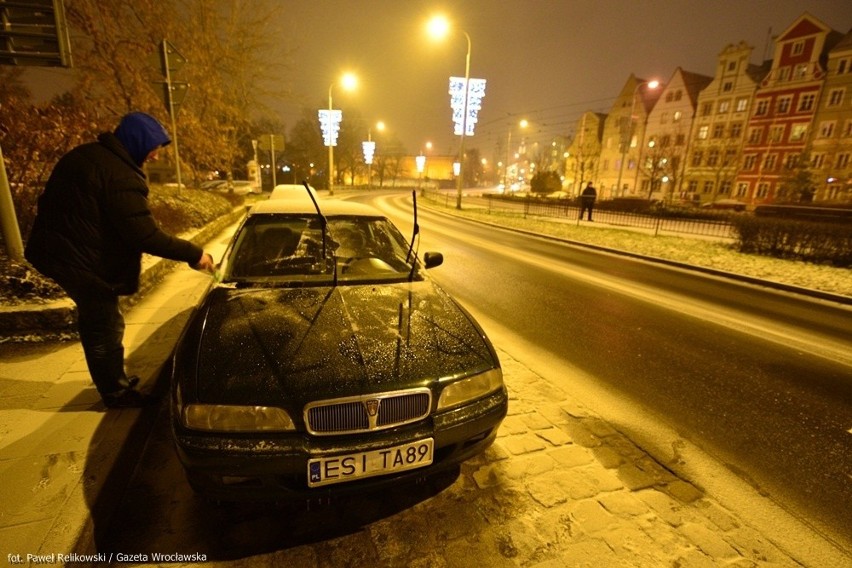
<point x="654" y="222"/>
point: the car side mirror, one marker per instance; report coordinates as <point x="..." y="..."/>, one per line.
<point x="433" y="259"/>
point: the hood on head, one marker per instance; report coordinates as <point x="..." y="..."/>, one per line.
<point x="140" y="133"/>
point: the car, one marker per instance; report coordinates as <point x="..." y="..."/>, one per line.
<point x="291" y="191"/>
<point x="324" y="360"/>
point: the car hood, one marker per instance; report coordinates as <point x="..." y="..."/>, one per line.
<point x="273" y="346"/>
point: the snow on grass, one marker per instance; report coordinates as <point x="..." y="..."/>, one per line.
<point x="698" y="251"/>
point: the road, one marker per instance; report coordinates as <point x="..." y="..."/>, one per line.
<point x="700" y="370"/>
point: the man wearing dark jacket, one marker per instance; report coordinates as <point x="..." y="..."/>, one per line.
<point x="92" y="226"/>
<point x="587" y="200"/>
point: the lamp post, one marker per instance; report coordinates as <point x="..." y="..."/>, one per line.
<point x="523" y="124"/>
<point x="439" y="27"/>
<point x="348" y="81"/>
<point x="379" y="126"/>
<point x="625" y="144"/>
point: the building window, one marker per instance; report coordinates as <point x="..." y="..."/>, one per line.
<point x="713" y="157"/>
<point x="817" y="160"/>
<point x="732" y="66"/>
<point x="703" y="131"/>
<point x="665" y="140"/>
<point x="708" y="187"/>
<point x="706" y="109"/>
<point x="724" y="106"/>
<point x="784" y="104"/>
<point x="664" y="117"/>
<point x="842" y="161"/>
<point x="736" y="129"/>
<point x="798" y="48"/>
<point x="784" y="74"/>
<point x="776" y="133"/>
<point x="769" y="162"/>
<point x="833" y="193"/>
<point x="762" y="190"/>
<point x="727" y="86"/>
<point x="762" y="107"/>
<point x="792" y="161"/>
<point x="749" y="162"/>
<point x="835" y="97"/>
<point x="693" y="186"/>
<point x="696" y="158"/>
<point x="806" y="103"/>
<point x="730" y="157"/>
<point x="754" y="134"/>
<point x="677" y="116"/>
<point x="678" y="95"/>
<point x="742" y="104"/>
<point x="742" y="189"/>
<point x="843" y="66"/>
<point x="801" y="71"/>
<point x="718" y="130"/>
<point x="798" y="132"/>
<point x="680" y="139"/>
<point x="847" y="129"/>
<point x="725" y="188"/>
<point x="826" y="128"/>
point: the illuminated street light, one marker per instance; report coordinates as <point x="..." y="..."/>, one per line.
<point x="369" y="150"/>
<point x="523" y="123"/>
<point x="348" y="82"/>
<point x="438" y="27"/>
<point x="625" y="144"/>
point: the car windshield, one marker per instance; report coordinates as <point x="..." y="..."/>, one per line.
<point x="285" y="248"/>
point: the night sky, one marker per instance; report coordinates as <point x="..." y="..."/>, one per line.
<point x="545" y="60"/>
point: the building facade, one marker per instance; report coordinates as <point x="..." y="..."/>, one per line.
<point x="830" y="148"/>
<point x="785" y="104"/>
<point x="718" y="132"/>
<point x="662" y="162"/>
<point x="623" y="128"/>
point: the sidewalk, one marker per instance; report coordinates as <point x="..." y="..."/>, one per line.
<point x="63" y="457"/>
<point x="582" y="491"/>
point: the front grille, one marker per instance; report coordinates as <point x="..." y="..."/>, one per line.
<point x="367" y="413"/>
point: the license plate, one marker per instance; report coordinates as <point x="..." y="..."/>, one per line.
<point x="337" y="469"/>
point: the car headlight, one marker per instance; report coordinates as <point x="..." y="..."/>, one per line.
<point x="226" y="418"/>
<point x="470" y="389"/>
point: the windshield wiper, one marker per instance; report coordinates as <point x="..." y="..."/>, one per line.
<point x="324" y="224"/>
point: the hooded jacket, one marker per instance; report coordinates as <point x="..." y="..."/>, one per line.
<point x="93" y="221"/>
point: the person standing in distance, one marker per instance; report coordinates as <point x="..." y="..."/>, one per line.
<point x="587" y="200"/>
<point x="92" y="225"/>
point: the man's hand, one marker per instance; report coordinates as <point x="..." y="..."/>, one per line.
<point x="205" y="264"/>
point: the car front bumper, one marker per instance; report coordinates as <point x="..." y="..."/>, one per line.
<point x="248" y="468"/>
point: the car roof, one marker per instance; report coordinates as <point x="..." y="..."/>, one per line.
<point x="306" y="206"/>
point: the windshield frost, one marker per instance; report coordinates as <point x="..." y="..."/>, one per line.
<point x="291" y="248"/>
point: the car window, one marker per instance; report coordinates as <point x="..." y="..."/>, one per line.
<point x="291" y="248"/>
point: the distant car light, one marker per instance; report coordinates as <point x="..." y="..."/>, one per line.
<point x="228" y="418"/>
<point x="472" y="388"/>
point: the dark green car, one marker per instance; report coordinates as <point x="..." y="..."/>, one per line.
<point x="324" y="360"/>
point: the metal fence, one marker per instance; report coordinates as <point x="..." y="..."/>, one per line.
<point x="654" y="222"/>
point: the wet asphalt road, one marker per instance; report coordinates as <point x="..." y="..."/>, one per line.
<point x="760" y="380"/>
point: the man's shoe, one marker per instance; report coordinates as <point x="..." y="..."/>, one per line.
<point x="128" y="398"/>
<point x="128" y="382"/>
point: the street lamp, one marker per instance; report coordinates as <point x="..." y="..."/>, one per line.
<point x="629" y="138"/>
<point x="380" y="126"/>
<point x="348" y="82"/>
<point x="439" y="27"/>
<point x="523" y="124"/>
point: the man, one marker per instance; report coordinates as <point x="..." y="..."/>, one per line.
<point x="92" y="226"/>
<point x="587" y="200"/>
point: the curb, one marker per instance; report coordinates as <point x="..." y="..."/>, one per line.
<point x="792" y="288"/>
